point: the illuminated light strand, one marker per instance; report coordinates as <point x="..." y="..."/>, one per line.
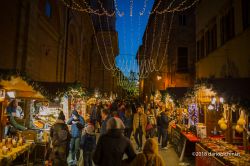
<point x="151" y="62"/>
<point x="105" y="48"/>
<point x="97" y="42"/>
<point x="120" y="14"/>
<point x="159" y="45"/>
<point x="178" y="9"/>
<point x="111" y="43"/>
<point x="103" y="9"/>
<point x="79" y="8"/>
<point x="89" y="7"/>
<point x="131" y="8"/>
<point x="156" y="7"/>
<point x="144" y="8"/>
<point x="132" y="34"/>
<point x="144" y="71"/>
<point x="166" y="48"/>
<point x="152" y="46"/>
<point x="89" y="10"/>
<point x="158" y="50"/>
<point x="98" y="48"/>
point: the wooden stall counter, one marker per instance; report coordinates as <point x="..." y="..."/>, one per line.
<point x="184" y="142"/>
<point x="10" y="156"/>
<point x="217" y="152"/>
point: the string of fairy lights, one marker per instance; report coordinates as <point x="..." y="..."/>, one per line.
<point x="149" y="60"/>
<point x="85" y="7"/>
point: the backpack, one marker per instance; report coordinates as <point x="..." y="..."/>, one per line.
<point x="60" y="136"/>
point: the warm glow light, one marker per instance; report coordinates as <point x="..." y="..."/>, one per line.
<point x="213" y="100"/>
<point x="159" y="77"/>
<point x="11" y="94"/>
<point x="221" y="99"/>
<point x="210" y="107"/>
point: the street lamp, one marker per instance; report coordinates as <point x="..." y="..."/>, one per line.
<point x="159" y="77"/>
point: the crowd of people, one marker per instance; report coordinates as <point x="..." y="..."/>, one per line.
<point x="108" y="134"/>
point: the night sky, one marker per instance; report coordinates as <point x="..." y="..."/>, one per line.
<point x="130" y="31"/>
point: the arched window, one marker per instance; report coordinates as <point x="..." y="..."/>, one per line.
<point x="48" y="9"/>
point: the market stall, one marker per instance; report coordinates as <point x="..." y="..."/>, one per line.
<point x="222" y="107"/>
<point x="16" y="94"/>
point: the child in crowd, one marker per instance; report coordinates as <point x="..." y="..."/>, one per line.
<point x="88" y="144"/>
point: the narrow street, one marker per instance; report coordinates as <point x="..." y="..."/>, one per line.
<point x="176" y="69"/>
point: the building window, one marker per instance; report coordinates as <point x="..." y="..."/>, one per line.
<point x="207" y="42"/>
<point x="214" y="37"/>
<point x="227" y="26"/>
<point x="246" y="13"/>
<point x="182" y="61"/>
<point x="198" y="47"/>
<point x="48" y="9"/>
<point x="211" y="39"/>
<point x="202" y="50"/>
<point x="182" y="20"/>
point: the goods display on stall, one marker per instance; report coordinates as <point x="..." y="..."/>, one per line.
<point x="43" y="115"/>
<point x="214" y="150"/>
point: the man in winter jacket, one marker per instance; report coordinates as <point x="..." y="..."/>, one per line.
<point x="113" y="145"/>
<point x="77" y="123"/>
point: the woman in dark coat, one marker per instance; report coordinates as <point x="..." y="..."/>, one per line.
<point x="60" y="138"/>
<point x="113" y="145"/>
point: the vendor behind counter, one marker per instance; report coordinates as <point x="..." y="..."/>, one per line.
<point x="12" y="125"/>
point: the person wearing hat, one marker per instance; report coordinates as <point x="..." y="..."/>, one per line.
<point x="112" y="145"/>
<point x="60" y="138"/>
<point x="77" y="123"/>
<point x="88" y="144"/>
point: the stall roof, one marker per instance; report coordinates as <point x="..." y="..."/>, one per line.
<point x="57" y="89"/>
<point x="21" y="87"/>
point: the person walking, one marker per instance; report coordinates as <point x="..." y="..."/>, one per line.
<point x="77" y="123"/>
<point x="139" y="126"/>
<point x="88" y="144"/>
<point x="128" y="122"/>
<point x="149" y="156"/>
<point x="60" y="138"/>
<point x="151" y="125"/>
<point x="113" y="145"/>
<point x="164" y="122"/>
<point x="105" y="117"/>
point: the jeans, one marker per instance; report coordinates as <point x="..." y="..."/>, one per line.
<point x="138" y="133"/>
<point x="87" y="158"/>
<point x="159" y="132"/>
<point x="128" y="132"/>
<point x="164" y="134"/>
<point x="75" y="148"/>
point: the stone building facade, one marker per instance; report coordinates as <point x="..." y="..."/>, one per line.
<point x="222" y="37"/>
<point x="51" y="43"/>
<point x="170" y="49"/>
